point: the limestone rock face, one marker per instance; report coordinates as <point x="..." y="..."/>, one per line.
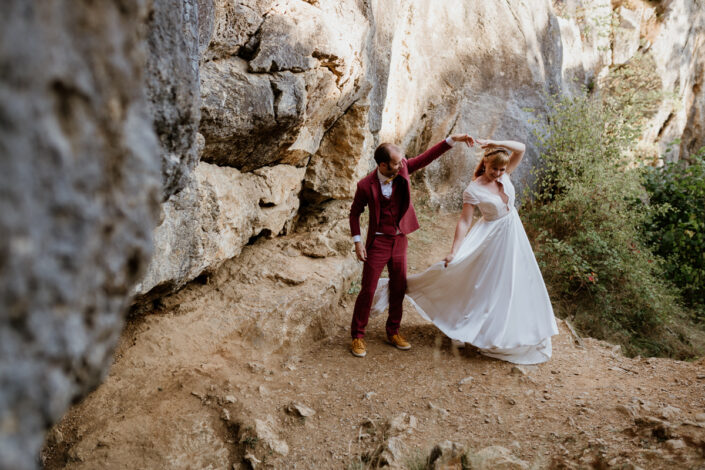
<point x="674" y="38"/>
<point x="320" y="84"/>
<point x="227" y="26"/>
<point x="80" y="179"/>
<point x="626" y="35"/>
<point x="483" y="77"/>
<point x="679" y="52"/>
<point x="214" y="217"/>
<point x="343" y="157"/>
<point x="173" y="88"/>
<point x="99" y="119"/>
<point x="276" y="76"/>
<point x="594" y="19"/>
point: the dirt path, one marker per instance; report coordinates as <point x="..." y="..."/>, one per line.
<point x="589" y="407"/>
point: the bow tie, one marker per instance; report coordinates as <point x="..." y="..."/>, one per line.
<point x="388" y="180"/>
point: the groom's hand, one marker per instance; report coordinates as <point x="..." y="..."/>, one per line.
<point x="360" y="251"/>
<point x="463" y="138"/>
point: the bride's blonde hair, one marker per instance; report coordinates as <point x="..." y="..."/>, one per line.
<point x="496" y="156"/>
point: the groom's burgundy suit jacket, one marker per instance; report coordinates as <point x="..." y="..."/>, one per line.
<point x="369" y="193"/>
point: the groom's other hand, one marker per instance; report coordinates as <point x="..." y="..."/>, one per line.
<point x="360" y="251"/>
<point x="463" y="138"/>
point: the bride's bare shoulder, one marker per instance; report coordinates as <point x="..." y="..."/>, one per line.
<point x="477" y="182"/>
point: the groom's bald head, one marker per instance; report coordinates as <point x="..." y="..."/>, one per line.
<point x="389" y="159"/>
<point x="386" y="152"/>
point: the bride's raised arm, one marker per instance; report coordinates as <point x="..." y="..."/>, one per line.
<point x="517" y="149"/>
<point x="461" y="229"/>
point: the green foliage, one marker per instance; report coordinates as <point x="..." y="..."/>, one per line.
<point x="354" y="287"/>
<point x="250" y="441"/>
<point x="586" y="234"/>
<point x="676" y="226"/>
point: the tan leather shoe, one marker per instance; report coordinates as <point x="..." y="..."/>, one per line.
<point x="399" y="342"/>
<point x="358" y="347"/>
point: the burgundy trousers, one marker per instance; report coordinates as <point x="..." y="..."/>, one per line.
<point x="390" y="251"/>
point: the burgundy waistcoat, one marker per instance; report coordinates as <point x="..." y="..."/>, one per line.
<point x="389" y="212"/>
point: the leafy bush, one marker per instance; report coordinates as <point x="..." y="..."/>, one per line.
<point x="676" y="229"/>
<point x="586" y="233"/>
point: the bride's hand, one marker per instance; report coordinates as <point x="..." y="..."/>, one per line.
<point x="448" y="259"/>
<point x="486" y="143"/>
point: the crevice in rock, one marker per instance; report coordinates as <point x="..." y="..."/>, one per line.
<point x="330" y="62"/>
<point x="151" y="302"/>
<point x="665" y="124"/>
<point x="202" y="278"/>
<point x="277" y="96"/>
<point x="249" y="50"/>
<point x="264" y="233"/>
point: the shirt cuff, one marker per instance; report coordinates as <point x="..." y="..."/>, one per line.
<point x="356" y="238"/>
<point x="450" y="141"/>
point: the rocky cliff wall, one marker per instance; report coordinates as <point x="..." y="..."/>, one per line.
<point x="249" y="121"/>
<point x="317" y="85"/>
<point x="80" y="185"/>
<point x="678" y="49"/>
<point x="98" y="119"/>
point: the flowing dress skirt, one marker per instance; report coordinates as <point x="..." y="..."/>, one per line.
<point x="491" y="295"/>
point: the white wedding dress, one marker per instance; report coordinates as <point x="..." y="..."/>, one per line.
<point x="492" y="294"/>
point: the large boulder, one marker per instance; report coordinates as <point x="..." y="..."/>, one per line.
<point x="226" y="26"/>
<point x="282" y="83"/>
<point x="276" y="77"/>
<point x="80" y="179"/>
<point x="213" y="218"/>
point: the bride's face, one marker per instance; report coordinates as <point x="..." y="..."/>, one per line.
<point x="494" y="172"/>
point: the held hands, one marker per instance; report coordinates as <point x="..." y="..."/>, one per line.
<point x="486" y="143"/>
<point x="463" y="138"/>
<point x="360" y="251"/>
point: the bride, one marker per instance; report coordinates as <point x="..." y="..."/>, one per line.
<point x="488" y="291"/>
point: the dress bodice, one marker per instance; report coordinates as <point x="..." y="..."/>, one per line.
<point x="490" y="204"/>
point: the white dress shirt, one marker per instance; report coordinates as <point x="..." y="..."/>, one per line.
<point x="387" y="187"/>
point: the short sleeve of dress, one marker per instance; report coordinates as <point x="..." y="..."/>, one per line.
<point x="469" y="197"/>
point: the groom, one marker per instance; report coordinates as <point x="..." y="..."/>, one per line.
<point x="392" y="217"/>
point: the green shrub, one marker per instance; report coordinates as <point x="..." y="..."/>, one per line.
<point x="585" y="230"/>
<point x="676" y="228"/>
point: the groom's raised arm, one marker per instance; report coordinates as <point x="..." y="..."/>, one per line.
<point x="436" y="151"/>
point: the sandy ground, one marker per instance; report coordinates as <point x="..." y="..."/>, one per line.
<point x="588" y="407"/>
